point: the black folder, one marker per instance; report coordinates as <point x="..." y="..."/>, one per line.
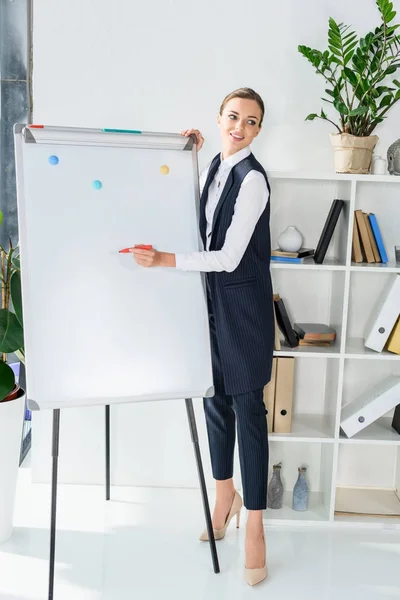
<point x="328" y="230"/>
<point x="284" y="322"/>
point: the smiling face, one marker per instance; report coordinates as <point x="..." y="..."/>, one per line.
<point x="239" y="123"/>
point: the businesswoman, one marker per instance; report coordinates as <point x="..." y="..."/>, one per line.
<point x="234" y="226"/>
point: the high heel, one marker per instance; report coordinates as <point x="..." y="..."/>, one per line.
<point x="254" y="576"/>
<point x="236" y="506"/>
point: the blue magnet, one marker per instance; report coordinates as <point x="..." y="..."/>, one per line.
<point x="97" y="184"/>
<point x="53" y="160"/>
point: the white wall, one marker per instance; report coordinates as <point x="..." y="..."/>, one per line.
<point x="165" y="65"/>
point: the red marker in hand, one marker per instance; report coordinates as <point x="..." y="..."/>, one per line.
<point x="140" y="246"/>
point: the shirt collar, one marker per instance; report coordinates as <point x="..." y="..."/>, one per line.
<point x="234" y="159"/>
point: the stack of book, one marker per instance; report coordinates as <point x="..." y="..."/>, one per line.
<point x="314" y="334"/>
<point x="301" y="334"/>
<point x="291" y="257"/>
<point x="367" y="245"/>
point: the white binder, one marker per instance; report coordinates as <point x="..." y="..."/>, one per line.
<point x="384" y="317"/>
<point x="371" y="405"/>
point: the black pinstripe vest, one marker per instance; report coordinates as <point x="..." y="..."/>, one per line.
<point x="241" y="301"/>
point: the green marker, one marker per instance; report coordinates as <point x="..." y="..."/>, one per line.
<point x="121" y="131"/>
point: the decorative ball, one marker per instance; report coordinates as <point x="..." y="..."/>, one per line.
<point x="54" y="160"/>
<point x="164" y="170"/>
<point x="290" y="240"/>
<point x="97" y="184"/>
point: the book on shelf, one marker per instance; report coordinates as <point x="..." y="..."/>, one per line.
<point x="315" y="343"/>
<point x="315" y="332"/>
<point x="283" y="321"/>
<point x="367" y="243"/>
<point x="357" y="254"/>
<point x="286" y="259"/>
<point x="374" y="247"/>
<point x="364" y="237"/>
<point x="327" y="231"/>
<point x="384" y="316"/>
<point x="302" y="253"/>
<point x="378" y="237"/>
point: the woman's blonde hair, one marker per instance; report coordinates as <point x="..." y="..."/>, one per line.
<point x="247" y="94"/>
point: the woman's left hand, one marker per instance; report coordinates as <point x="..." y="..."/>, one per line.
<point x="153" y="258"/>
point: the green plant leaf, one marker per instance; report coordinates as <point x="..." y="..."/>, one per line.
<point x="1" y="217"/>
<point x="350" y="76"/>
<point x="330" y="93"/>
<point x="341" y="107"/>
<point x="360" y="110"/>
<point x="391" y="70"/>
<point x="7" y="380"/>
<point x="311" y="117"/>
<point x="16" y="296"/>
<point x="397" y="96"/>
<point x="386" y="101"/>
<point x="11" y="332"/>
<point x="336" y="52"/>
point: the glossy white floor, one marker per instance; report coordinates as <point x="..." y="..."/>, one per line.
<point x="143" y="544"/>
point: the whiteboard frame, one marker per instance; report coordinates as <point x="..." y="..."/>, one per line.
<point x="31" y="134"/>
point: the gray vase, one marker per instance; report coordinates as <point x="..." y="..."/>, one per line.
<point x="393" y="158"/>
<point x="300" y="491"/>
<point x="275" y="489"/>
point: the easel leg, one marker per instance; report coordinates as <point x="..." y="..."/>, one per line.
<point x="56" y="438"/>
<point x="107" y="452"/>
<point x="195" y="440"/>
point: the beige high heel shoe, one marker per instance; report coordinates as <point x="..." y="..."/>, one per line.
<point x="237" y="504"/>
<point x="254" y="576"/>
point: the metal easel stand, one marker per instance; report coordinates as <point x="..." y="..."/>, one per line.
<point x="54" y="482"/>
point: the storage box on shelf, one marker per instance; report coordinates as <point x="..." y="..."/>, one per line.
<point x="342" y="294"/>
<point x="314" y="401"/>
<point x="368" y="482"/>
<point x="318" y="458"/>
<point x="359" y="379"/>
<point x="366" y="289"/>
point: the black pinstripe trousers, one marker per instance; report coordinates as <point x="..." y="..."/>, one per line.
<point x="246" y="413"/>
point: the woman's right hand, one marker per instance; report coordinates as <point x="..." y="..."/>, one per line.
<point x="199" y="137"/>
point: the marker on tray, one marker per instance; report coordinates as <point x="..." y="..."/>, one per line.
<point x="140" y="246"/>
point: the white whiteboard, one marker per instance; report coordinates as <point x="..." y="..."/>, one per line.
<point x="99" y="329"/>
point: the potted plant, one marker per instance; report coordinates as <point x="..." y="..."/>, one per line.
<point x="12" y="396"/>
<point x="359" y="87"/>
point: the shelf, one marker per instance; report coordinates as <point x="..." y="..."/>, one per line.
<point x="366" y="502"/>
<point x="379" y="432"/>
<point x="316" y="511"/>
<point x="390" y="267"/>
<point x="355" y="349"/>
<point x="330" y="176"/>
<point x="309" y="352"/>
<point x="329" y="264"/>
<point x="306" y="428"/>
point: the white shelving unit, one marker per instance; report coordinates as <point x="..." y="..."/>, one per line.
<point x="363" y="471"/>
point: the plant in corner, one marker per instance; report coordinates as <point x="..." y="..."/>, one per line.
<point x="11" y="323"/>
<point x="359" y="87"/>
<point x="12" y="396"/>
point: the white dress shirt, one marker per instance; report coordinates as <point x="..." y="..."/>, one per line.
<point x="250" y="204"/>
